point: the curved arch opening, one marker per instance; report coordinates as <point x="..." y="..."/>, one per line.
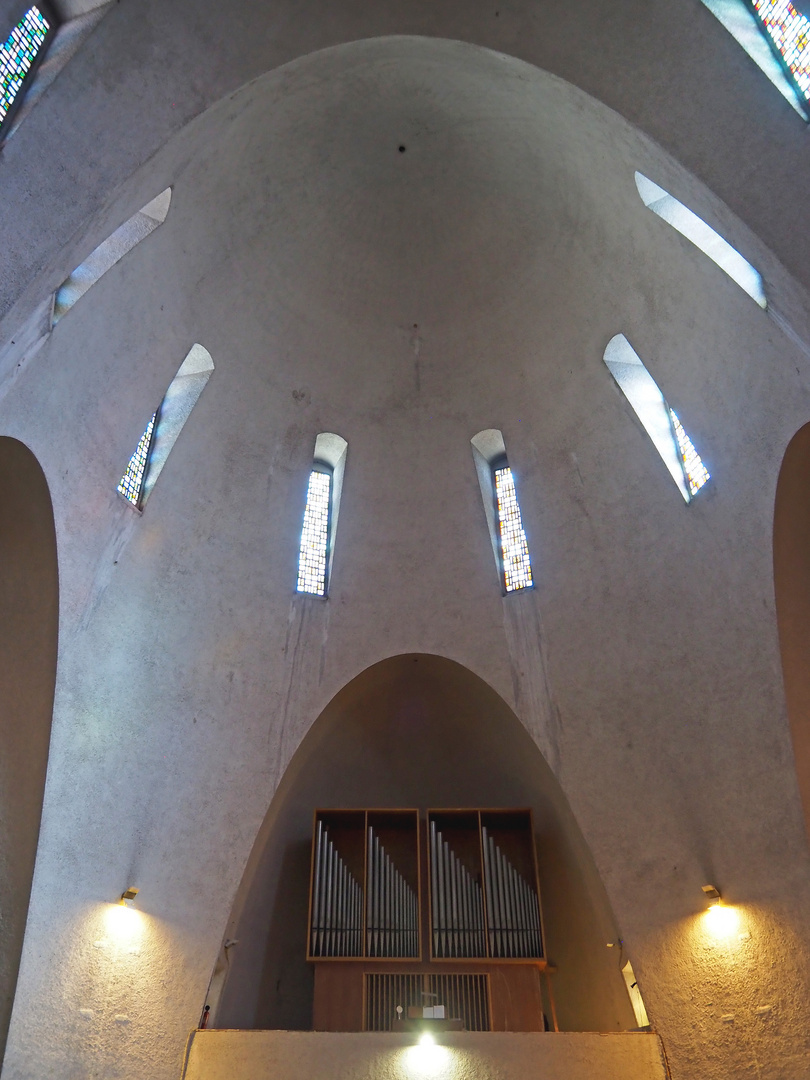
<point x="413" y="730"/>
<point x="29" y="615"/>
<point x="791" y="574"/>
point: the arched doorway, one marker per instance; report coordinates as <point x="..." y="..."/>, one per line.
<point x="29" y="613"/>
<point x="791" y="573"/>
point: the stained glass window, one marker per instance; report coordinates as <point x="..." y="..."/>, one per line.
<point x="788" y="32"/>
<point x="314" y="550"/>
<point x="131" y="486"/>
<point x="695" y="471"/>
<point x="17" y="56"/>
<point x="517" y="567"/>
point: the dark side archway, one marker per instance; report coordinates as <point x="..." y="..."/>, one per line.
<point x="413" y="730"/>
<point x="29" y="619"/>
<point x="791" y="575"/>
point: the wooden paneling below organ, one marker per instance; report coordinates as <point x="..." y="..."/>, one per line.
<point x="426" y="921"/>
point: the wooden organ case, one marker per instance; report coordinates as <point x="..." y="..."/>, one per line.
<point x="432" y="922"/>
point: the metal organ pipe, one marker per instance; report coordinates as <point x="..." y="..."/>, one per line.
<point x="513" y="911"/>
<point x="493" y="913"/>
<point x="457" y="914"/>
<point x="392" y="905"/>
<point x="337" y="901"/>
<point x="316" y="895"/>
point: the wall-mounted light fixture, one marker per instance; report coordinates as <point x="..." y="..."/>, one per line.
<point x="128" y="895"/>
<point x="721" y="919"/>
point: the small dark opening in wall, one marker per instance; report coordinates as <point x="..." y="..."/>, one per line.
<point x="402" y="149"/>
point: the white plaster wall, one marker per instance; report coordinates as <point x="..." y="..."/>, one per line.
<point x="260" y="1055"/>
<point x="407" y="301"/>
<point x="150" y="67"/>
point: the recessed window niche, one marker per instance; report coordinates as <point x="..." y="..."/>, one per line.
<point x="659" y="419"/>
<point x="502" y="510"/>
<point x="164" y="426"/>
<point x="703" y="236"/>
<point x="774" y="34"/>
<point x="324" y="490"/>
<point x="111" y="251"/>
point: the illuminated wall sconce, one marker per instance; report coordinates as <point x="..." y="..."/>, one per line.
<point x="721" y="919"/>
<point x="128" y="895"/>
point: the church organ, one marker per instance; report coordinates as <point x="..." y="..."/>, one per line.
<point x="432" y="921"/>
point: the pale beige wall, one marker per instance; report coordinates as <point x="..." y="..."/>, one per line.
<point x="295" y="1055"/>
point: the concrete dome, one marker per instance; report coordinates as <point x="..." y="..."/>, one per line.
<point x="407" y="300"/>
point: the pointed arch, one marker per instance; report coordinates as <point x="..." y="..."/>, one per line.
<point x="791" y="574"/>
<point x="29" y="611"/>
<point x="413" y="730"/>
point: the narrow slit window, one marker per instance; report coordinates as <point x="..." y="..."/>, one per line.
<point x="659" y="419"/>
<point x="314" y="549"/>
<point x="515" y="562"/>
<point x="19" y="57"/>
<point x="131" y="485"/>
<point x="695" y="471"/>
<point x="499" y="494"/>
<point x="324" y="489"/>
<point x="166" y="423"/>
<point x="111" y="251"/>
<point x="745" y="21"/>
<point x="702" y="236"/>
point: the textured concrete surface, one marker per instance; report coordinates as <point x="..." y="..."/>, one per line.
<point x="150" y="67"/>
<point x="292" y="1055"/>
<point x="407" y="301"/>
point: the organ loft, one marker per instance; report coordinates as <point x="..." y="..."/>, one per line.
<point x="426" y="924"/>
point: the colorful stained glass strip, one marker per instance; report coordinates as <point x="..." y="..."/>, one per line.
<point x="131" y="486"/>
<point x="312" y="554"/>
<point x="695" y="471"/>
<point x="517" y="567"/>
<point x="789" y="33"/>
<point x="18" y="54"/>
